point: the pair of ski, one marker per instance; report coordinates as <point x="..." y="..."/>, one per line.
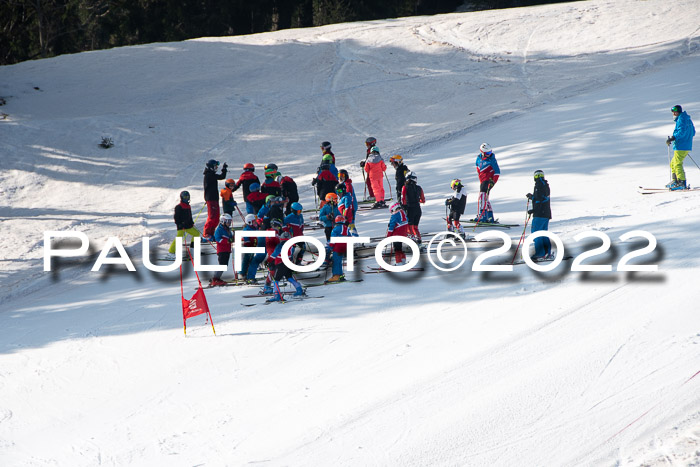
<point x="653" y="191"/>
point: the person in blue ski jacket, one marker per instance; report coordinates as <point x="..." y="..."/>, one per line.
<point x="398" y="226"/>
<point x="339" y="249"/>
<point x="251" y="224"/>
<point x="328" y="213"/>
<point x="682" y="140"/>
<point x="346" y="206"/>
<point x="541" y="213"/>
<point x="224" y="238"/>
<point x="487" y="168"/>
<point x="282" y="271"/>
<point x="257" y="258"/>
<point x="295" y="223"/>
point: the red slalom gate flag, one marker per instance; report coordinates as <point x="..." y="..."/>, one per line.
<point x="195" y="306"/>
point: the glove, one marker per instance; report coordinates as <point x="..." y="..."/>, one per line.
<point x="529" y="196"/>
<point x="448" y="201"/>
<point x="530" y="211"/>
<point x="669" y="140"/>
<point x="224" y="167"/>
<point x="362" y="164"/>
<point x="314" y="181"/>
<point x="234" y="203"/>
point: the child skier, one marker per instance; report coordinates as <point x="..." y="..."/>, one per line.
<point x="398" y="226"/>
<point x="251" y="224"/>
<point x="682" y="140"/>
<point x="256" y="198"/>
<point x="339" y="249"/>
<point x="280" y="271"/>
<point x="295" y="223"/>
<point x="290" y="192"/>
<point x="541" y="214"/>
<point x="328" y="213"/>
<point x="344" y="178"/>
<point x="324" y="182"/>
<point x="412" y="197"/>
<point x="457" y="203"/>
<point x="211" y="196"/>
<point x="487" y="168"/>
<point x="246" y="179"/>
<point x="369" y="143"/>
<point x="397" y="163"/>
<point x="183" y="220"/>
<point x="375" y="168"/>
<point x="326" y="151"/>
<point x="346" y="207"/>
<point x="270" y="186"/>
<point x="223" y="237"/>
<point x="228" y="204"/>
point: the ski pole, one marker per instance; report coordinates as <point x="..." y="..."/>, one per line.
<point x="387" y="180"/>
<point x="483" y="210"/>
<point x="315" y="198"/>
<point x="527" y="219"/>
<point x="241" y="214"/>
<point x="364" y="179"/>
<point x="670" y="171"/>
<point x="696" y="164"/>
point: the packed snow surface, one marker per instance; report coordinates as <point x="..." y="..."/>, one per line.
<point x="432" y="368"/>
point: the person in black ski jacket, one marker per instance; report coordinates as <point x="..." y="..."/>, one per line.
<point x="211" y="196"/>
<point x="401" y="170"/>
<point x="246" y="179"/>
<point x="457" y="203"/>
<point x="289" y="191"/>
<point x="183" y="220"/>
<point x="411" y="198"/>
<point x="541" y="214"/>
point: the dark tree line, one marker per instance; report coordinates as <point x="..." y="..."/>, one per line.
<point x="32" y="29"/>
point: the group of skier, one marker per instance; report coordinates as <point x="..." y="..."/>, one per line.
<point x="273" y="205"/>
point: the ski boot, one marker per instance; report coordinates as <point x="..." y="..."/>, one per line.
<point x="336" y="278"/>
<point x="275" y="298"/>
<point x="215" y="282"/>
<point x="301" y="292"/>
<point x="267" y="289"/>
<point x="679" y="185"/>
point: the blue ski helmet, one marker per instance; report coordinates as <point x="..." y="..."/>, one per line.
<point x="254" y="187"/>
<point x="297" y="206"/>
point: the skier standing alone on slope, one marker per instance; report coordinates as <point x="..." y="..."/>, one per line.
<point x="487" y="168"/>
<point x="682" y="140"/>
<point x="541" y="214"/>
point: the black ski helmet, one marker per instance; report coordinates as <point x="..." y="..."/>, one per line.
<point x="371" y="141"/>
<point x="326" y="145"/>
<point x="344" y="173"/>
<point x="212" y="164"/>
<point x="185" y="196"/>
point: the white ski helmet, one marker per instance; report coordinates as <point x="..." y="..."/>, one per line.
<point x="485" y="148"/>
<point x="226" y="219"/>
<point x="250" y="219"/>
<point x="411" y="176"/>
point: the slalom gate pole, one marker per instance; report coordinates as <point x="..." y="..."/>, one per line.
<point x="527" y="219"/>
